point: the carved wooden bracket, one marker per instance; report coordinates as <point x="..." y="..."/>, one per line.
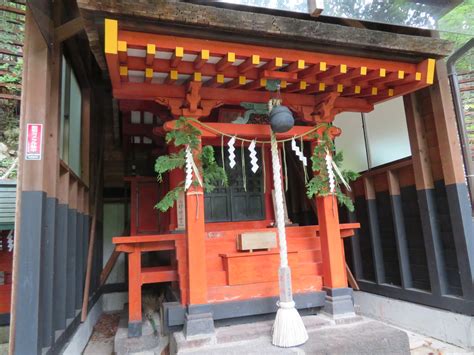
<point x="192" y="105"/>
<point x="322" y="111"/>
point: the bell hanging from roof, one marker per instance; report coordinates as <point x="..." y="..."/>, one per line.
<point x="281" y="119"/>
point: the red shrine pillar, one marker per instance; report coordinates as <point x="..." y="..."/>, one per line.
<point x="332" y="248"/>
<point x="197" y="321"/>
<point x="338" y="302"/>
<point x="196" y="243"/>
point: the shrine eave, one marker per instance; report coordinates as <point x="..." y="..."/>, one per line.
<point x="192" y="76"/>
<point x="208" y="22"/>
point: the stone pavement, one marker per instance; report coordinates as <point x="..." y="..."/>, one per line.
<point x="254" y="338"/>
<point x="351" y="336"/>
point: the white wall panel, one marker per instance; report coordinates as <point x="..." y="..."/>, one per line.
<point x="351" y="141"/>
<point x="387" y="133"/>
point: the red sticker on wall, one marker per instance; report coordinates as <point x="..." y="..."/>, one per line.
<point x="34" y="137"/>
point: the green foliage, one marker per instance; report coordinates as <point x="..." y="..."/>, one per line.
<point x="319" y="183"/>
<point x="213" y="174"/>
<point x="169" y="199"/>
<point x="166" y="163"/>
<point x="182" y="135"/>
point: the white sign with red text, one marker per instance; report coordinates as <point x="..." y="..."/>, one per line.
<point x="34" y="141"/>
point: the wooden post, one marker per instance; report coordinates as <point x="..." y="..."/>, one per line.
<point x="196" y="242"/>
<point x="90" y="252"/>
<point x="332" y="248"/>
<point x="134" y="294"/>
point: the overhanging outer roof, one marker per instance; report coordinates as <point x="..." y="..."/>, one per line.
<point x="179" y="18"/>
<point x="191" y="76"/>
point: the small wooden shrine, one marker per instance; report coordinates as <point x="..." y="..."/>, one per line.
<point x="202" y="80"/>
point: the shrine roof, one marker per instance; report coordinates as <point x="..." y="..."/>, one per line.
<point x="192" y="76"/>
<point x="276" y="29"/>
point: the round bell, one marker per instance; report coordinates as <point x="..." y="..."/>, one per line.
<point x="281" y="119"/>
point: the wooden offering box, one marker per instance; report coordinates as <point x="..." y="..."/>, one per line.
<point x="249" y="268"/>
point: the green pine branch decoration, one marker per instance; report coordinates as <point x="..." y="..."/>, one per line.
<point x="319" y="183"/>
<point x="184" y="133"/>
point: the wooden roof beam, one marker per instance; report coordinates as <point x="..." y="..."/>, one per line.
<point x="296" y="66"/>
<point x="278" y="75"/>
<point x="122" y="52"/>
<point x="275" y="63"/>
<point x="172" y="77"/>
<point x="216" y="81"/>
<point x="225" y="61"/>
<point x="176" y="57"/>
<point x="373" y="74"/>
<point x="201" y="59"/>
<point x="312" y="70"/>
<point x="249" y="63"/>
<point x="391" y="77"/>
<point x="298" y="86"/>
<point x="256" y="84"/>
<point x="334" y="71"/>
<point x="150" y="54"/>
<point x="235" y="83"/>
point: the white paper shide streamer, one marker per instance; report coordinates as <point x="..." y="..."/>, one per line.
<point x="299" y="153"/>
<point x="189" y="168"/>
<point x="231" y="151"/>
<point x="10" y="241"/>
<point x="332" y="181"/>
<point x="253" y="157"/>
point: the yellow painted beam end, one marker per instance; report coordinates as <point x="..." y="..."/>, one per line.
<point x="343" y="69"/>
<point x="220" y="78"/>
<point x="340" y="87"/>
<point x="300" y="64"/>
<point x="197" y="76"/>
<point x="357" y="89"/>
<point x="283" y="84"/>
<point x="375" y="91"/>
<point x="123" y="71"/>
<point x="255" y="59"/>
<point x="322" y="66"/>
<point x="231" y="57"/>
<point x="174" y="75"/>
<point x="263" y="82"/>
<point x="363" y="70"/>
<point x="242" y="80"/>
<point x="390" y="92"/>
<point x="204" y="54"/>
<point x="401" y="74"/>
<point x="418" y="76"/>
<point x="150" y="49"/>
<point x="122" y="46"/>
<point x="382" y="72"/>
<point x="111" y="36"/>
<point x="303" y="85"/>
<point x="430" y="71"/>
<point x="322" y="86"/>
<point x="278" y="61"/>
<point x="149" y="72"/>
<point x="179" y="52"/>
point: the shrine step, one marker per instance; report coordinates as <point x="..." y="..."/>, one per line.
<point x="149" y="275"/>
<point x="302" y="283"/>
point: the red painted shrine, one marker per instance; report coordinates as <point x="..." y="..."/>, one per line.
<point x="205" y="80"/>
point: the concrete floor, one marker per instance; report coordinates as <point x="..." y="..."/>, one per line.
<point x="102" y="343"/>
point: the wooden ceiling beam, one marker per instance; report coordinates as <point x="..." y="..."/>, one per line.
<point x="249" y="63"/>
<point x="68" y="29"/>
<point x="143" y="91"/>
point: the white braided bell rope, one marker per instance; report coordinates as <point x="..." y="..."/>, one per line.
<point x="280" y="217"/>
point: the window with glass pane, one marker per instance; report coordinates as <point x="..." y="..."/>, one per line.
<point x="71" y="119"/>
<point x="387" y="133"/>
